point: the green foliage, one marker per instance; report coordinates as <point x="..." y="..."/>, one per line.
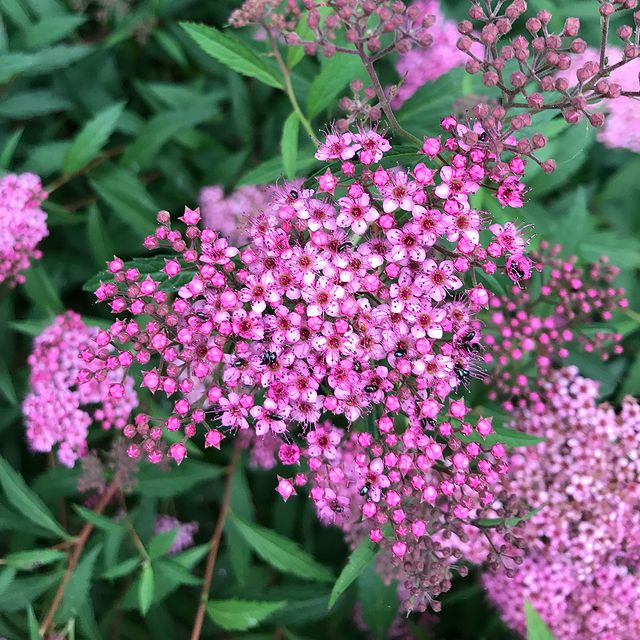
<point x="137" y="113"/>
<point x="536" y="628"/>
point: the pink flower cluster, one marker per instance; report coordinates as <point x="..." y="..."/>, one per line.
<point x="582" y="569"/>
<point x="344" y="300"/>
<point x="22" y="224"/>
<point x="622" y="126"/>
<point x="58" y="408"/>
<point x="525" y="67"/>
<point x="419" y="66"/>
<point x="359" y="25"/>
<point x="417" y="494"/>
<point x="537" y="325"/>
<point x="184" y="532"/>
<point x="230" y="215"/>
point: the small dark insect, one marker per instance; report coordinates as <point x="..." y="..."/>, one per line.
<point x="294" y="194"/>
<point x="365" y="490"/>
<point x="371" y="388"/>
<point x="357" y="366"/>
<point x="400" y="352"/>
<point x="201" y="315"/>
<point x="468" y="337"/>
<point x="269" y="357"/>
<point x="461" y="373"/>
<point x="517" y="272"/>
<point x="427" y="421"/>
<point x="482" y="136"/>
<point x="335" y="506"/>
<point x="239" y="363"/>
<point x="275" y="416"/>
<point x="344" y="246"/>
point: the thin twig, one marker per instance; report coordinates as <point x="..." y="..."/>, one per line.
<point x="214" y="543"/>
<point x="384" y="101"/>
<point x="103" y="157"/>
<point x="288" y="87"/>
<point x="80" y="543"/>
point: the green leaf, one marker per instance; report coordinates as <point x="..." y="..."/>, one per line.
<point x="123" y="568"/>
<point x="146" y="588"/>
<point x="34" y="629"/>
<point x="99" y="242"/>
<point x="232" y="52"/>
<point x="57" y="57"/>
<point x="9" y="148"/>
<point x="93" y="136"/>
<point x="154" y="482"/>
<point x="536" y="628"/>
<point x="98" y="520"/>
<point x="78" y="590"/>
<point x="358" y="561"/>
<point x="41" y="291"/>
<point x="280" y="552"/>
<point x="127" y="197"/>
<point x="29" y="104"/>
<point x="289" y="145"/>
<point x="270" y="170"/>
<point x="240" y="615"/>
<point x="379" y="602"/>
<point x="336" y="73"/>
<point x="239" y="551"/>
<point x="166" y="125"/>
<point x="161" y="543"/>
<point x="26" y="501"/>
<point x="33" y="559"/>
<point x="6" y="384"/>
<point x="13" y="63"/>
<point x="26" y="590"/>
<point x="491" y="523"/>
<point x="51" y="29"/>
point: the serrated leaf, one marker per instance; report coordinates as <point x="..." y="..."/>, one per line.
<point x="289" y="145"/>
<point x="161" y="543"/>
<point x="93" y="136"/>
<point x="156" y="483"/>
<point x="232" y="52"/>
<point x="536" y="628"/>
<point x="56" y="57"/>
<point x="97" y="519"/>
<point x="334" y="76"/>
<point x="379" y="602"/>
<point x="78" y="590"/>
<point x="33" y="559"/>
<point x="358" y="561"/>
<point x="145" y="588"/>
<point x="241" y="615"/>
<point x="26" y="501"/>
<point x="25" y="590"/>
<point x="280" y="552"/>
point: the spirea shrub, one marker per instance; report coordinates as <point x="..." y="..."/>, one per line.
<point x="23" y="224"/>
<point x="62" y="403"/>
<point x="580" y="571"/>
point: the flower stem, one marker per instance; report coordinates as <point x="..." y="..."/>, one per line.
<point x="384" y="101"/>
<point x="214" y="543"/>
<point x="288" y="87"/>
<point x="80" y="543"/>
